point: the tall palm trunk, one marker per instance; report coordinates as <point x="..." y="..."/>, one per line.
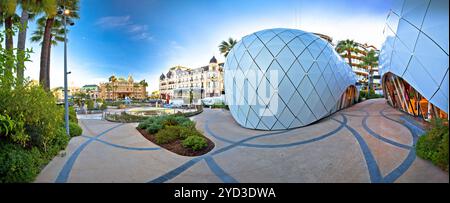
<point x="21" y="40"/>
<point x="9" y="45"/>
<point x="1" y="16"/>
<point x="48" y="63"/>
<point x="44" y="74"/>
<point x="349" y="56"/>
<point x="369" y="80"/>
<point x="9" y="33"/>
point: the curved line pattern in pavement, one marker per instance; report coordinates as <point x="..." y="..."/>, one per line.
<point x="318" y="138"/>
<point x="219" y="171"/>
<point x="372" y="166"/>
<point x="124" y="147"/>
<point x="65" y="171"/>
<point x="379" y="137"/>
<point x="403" y="167"/>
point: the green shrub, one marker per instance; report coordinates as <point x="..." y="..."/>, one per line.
<point x="434" y="144"/>
<point x="188" y="132"/>
<point x="143" y="124"/>
<point x="168" y="134"/>
<point x="195" y="142"/>
<point x="220" y="105"/>
<point x="164" y="120"/>
<point x="104" y="106"/>
<point x="59" y="143"/>
<point x="90" y="104"/>
<point x="153" y="128"/>
<point x="13" y="130"/>
<point x="33" y="121"/>
<point x="17" y="164"/>
<point x="124" y="118"/>
<point x="372" y="95"/>
<point x="75" y="130"/>
<point x="72" y="115"/>
<point x="188" y="124"/>
<point x="6" y="125"/>
<point x="170" y="121"/>
<point x="37" y="109"/>
<point x="21" y="165"/>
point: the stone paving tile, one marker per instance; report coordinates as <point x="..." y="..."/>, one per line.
<point x="390" y="130"/>
<point x="101" y="163"/>
<point x="386" y="155"/>
<point x="259" y="157"/>
<point x="336" y="159"/>
<point x="199" y="173"/>
<point x="51" y="171"/>
<point x="421" y="172"/>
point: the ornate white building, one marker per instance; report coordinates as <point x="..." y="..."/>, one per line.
<point x="179" y="82"/>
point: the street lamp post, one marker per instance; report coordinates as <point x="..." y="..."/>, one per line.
<point x="66" y="20"/>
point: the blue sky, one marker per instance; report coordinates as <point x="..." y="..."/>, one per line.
<point x="146" y="37"/>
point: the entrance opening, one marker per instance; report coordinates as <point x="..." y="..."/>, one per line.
<point x="348" y="98"/>
<point x="401" y="95"/>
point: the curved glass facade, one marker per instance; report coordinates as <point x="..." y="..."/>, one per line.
<point x="285" y="78"/>
<point x="414" y="57"/>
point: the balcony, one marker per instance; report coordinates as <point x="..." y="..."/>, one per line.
<point x="360" y="71"/>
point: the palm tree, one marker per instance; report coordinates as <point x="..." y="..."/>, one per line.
<point x="144" y="84"/>
<point x="226" y="46"/>
<point x="29" y="10"/>
<point x="113" y="80"/>
<point x="8" y="10"/>
<point x="57" y="35"/>
<point x="108" y="89"/>
<point x="135" y="86"/>
<point x="52" y="21"/>
<point x="370" y="60"/>
<point x="347" y="46"/>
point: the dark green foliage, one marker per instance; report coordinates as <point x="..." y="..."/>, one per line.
<point x="170" y="128"/>
<point x="153" y="128"/>
<point x="188" y="124"/>
<point x="195" y="142"/>
<point x="18" y="165"/>
<point x="434" y="144"/>
<point x="37" y="110"/>
<point x="124" y="118"/>
<point x="6" y="125"/>
<point x="90" y="104"/>
<point x="170" y="121"/>
<point x="74" y="129"/>
<point x="188" y="132"/>
<point x="104" y="106"/>
<point x="21" y="165"/>
<point x="33" y="120"/>
<point x="166" y="120"/>
<point x="372" y="95"/>
<point x="168" y="134"/>
<point x="13" y="130"/>
<point x="220" y="106"/>
<point x="73" y="115"/>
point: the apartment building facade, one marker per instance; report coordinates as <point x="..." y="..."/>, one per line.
<point x="180" y="82"/>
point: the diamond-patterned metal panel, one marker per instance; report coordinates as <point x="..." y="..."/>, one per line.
<point x="417" y="49"/>
<point x="291" y="79"/>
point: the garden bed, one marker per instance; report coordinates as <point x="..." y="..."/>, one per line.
<point x="175" y="133"/>
<point x="177" y="147"/>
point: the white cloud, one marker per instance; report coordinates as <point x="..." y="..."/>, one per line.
<point x="137" y="31"/>
<point x="113" y="21"/>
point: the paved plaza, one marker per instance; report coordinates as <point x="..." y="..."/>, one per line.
<point x="369" y="142"/>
